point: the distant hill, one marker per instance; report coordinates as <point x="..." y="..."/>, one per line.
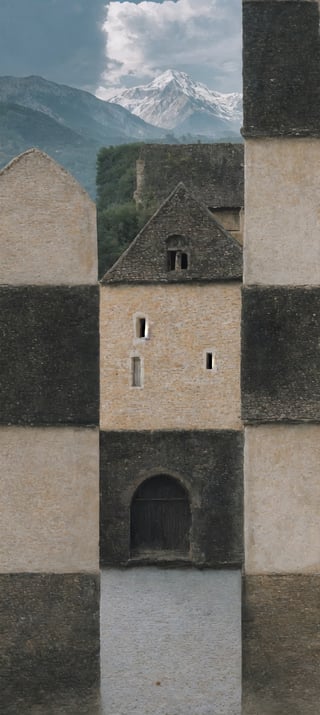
<point x="21" y="128"/>
<point x="69" y="124"/>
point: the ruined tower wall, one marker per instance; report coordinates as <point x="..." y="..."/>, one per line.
<point x="49" y="441"/>
<point x="280" y="357"/>
<point x="214" y="174"/>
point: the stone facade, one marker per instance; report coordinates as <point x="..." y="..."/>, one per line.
<point x="281" y="57"/>
<point x="181" y="330"/>
<point x="48" y="225"/>
<point x="282" y="179"/>
<point x="280" y="354"/>
<point x="282" y="499"/>
<point x="209" y="465"/>
<point x="280" y="646"/>
<point x="49" y="360"/>
<point x="50" y="499"/>
<point x="49" y="441"/>
<point x="280" y="370"/>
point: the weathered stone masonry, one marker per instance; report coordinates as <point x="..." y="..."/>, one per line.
<point x="183" y="419"/>
<point x="212" y="173"/>
<point x="49" y="440"/>
<point x="280" y="365"/>
<point x="171" y="442"/>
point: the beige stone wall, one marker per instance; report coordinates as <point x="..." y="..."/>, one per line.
<point x="48" y="225"/>
<point x="49" y="496"/>
<point x="282" y="499"/>
<point x="178" y="392"/>
<point x="282" y="234"/>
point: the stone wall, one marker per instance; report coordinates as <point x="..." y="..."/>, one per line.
<point x="48" y="225"/>
<point x="280" y="383"/>
<point x="177" y="390"/>
<point x="49" y="441"/>
<point x="209" y="465"/>
<point x="213" y="173"/>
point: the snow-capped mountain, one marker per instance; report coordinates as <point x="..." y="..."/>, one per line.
<point x="173" y="101"/>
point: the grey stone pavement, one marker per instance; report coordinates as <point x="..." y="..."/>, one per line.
<point x="171" y="642"/>
<point x="170" y="645"/>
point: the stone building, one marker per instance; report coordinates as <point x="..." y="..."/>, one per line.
<point x="213" y="174"/>
<point x="49" y="437"/>
<point x="281" y="358"/>
<point x="170" y="392"/>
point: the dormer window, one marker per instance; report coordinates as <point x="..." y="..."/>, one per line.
<point x="178" y="252"/>
<point x="177" y="261"/>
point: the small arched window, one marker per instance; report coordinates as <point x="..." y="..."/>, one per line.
<point x="160" y="518"/>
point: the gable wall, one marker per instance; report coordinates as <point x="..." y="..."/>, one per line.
<point x="48" y="225"/>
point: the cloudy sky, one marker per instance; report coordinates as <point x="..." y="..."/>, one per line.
<point x="94" y="43"/>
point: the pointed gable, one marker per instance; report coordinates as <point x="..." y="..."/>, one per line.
<point x="48" y="224"/>
<point x="182" y="242"/>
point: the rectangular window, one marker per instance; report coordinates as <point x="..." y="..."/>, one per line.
<point x="136" y="372"/>
<point x="172" y="260"/>
<point x="209" y="361"/>
<point x="141" y="328"/>
<point x="184" y="261"/>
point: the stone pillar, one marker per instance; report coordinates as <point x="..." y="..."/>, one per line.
<point x="281" y="357"/>
<point x="49" y="453"/>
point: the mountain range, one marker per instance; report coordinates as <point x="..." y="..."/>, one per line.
<point x="71" y="125"/>
<point x="173" y="101"/>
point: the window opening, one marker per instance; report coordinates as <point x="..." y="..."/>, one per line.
<point x="209" y="361"/>
<point x="184" y="261"/>
<point x="160" y="518"/>
<point x="177" y="260"/>
<point x="141" y="327"/>
<point x="136" y="372"/>
<point x="172" y="255"/>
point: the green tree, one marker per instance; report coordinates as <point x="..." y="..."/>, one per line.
<point x="119" y="218"/>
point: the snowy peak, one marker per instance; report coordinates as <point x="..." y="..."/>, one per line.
<point x="174" y="101"/>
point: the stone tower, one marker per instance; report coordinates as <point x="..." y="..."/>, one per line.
<point x="49" y="442"/>
<point x="280" y="357"/>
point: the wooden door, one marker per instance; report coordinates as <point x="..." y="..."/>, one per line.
<point x="160" y="517"/>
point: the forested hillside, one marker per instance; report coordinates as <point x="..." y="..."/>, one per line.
<point x="119" y="217"/>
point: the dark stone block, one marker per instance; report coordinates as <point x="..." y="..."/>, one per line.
<point x="208" y="464"/>
<point x="281" y="68"/>
<point x="280" y="354"/>
<point x="213" y="173"/>
<point x="281" y="646"/>
<point x="50" y="639"/>
<point x="49" y="361"/>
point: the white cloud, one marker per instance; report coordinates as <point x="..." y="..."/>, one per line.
<point x="202" y="37"/>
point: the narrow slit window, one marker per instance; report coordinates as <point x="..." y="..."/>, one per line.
<point x="172" y="257"/>
<point x="209" y="361"/>
<point x="184" y="261"/>
<point x="136" y="371"/>
<point x="141" y="328"/>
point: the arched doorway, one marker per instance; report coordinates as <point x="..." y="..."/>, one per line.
<point x="160" y="518"/>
